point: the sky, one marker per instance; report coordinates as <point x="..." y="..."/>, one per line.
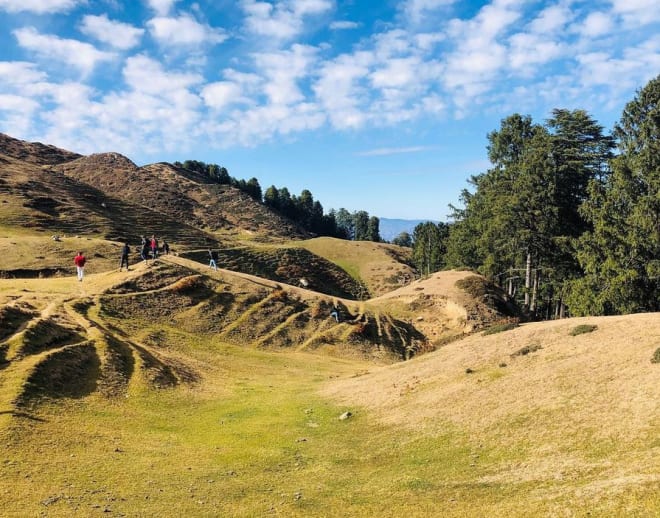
<point x="373" y="105"/>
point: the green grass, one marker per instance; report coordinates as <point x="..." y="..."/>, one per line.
<point x="254" y="438"/>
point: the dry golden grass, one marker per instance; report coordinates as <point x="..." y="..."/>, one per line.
<point x="375" y="264"/>
<point x="585" y="407"/>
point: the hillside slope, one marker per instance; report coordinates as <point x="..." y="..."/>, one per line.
<point x="551" y="403"/>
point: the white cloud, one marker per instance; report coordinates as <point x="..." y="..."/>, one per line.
<point x="340" y="89"/>
<point x="637" y="13"/>
<point x="282" y="70"/>
<point x="19" y="73"/>
<point x="551" y="20"/>
<point x="479" y="55"/>
<point x="529" y="50"/>
<point x="116" y="34"/>
<point x="74" y="53"/>
<point x="417" y="9"/>
<point x="281" y="20"/>
<point x="221" y="94"/>
<point x="343" y="25"/>
<point x="17" y="103"/>
<point x="596" y="24"/>
<point x="146" y="75"/>
<point x="37" y="6"/>
<point x="162" y="7"/>
<point x="184" y="30"/>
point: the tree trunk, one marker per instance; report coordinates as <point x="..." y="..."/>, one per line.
<point x="528" y="278"/>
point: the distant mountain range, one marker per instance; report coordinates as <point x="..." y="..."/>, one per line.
<point x="390" y="228"/>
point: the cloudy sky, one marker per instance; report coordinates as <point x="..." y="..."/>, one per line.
<point x="375" y="105"/>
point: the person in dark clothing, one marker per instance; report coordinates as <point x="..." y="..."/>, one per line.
<point x="144" y="252"/>
<point x="124" y="256"/>
<point x="166" y="248"/>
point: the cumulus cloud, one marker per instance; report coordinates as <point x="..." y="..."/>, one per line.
<point x="37" y="6"/>
<point x="119" y="35"/>
<point x="282" y="70"/>
<point x="161" y="7"/>
<point x="147" y="75"/>
<point x="637" y="13"/>
<point x="184" y="30"/>
<point x="19" y="73"/>
<point x="596" y="24"/>
<point x="417" y="9"/>
<point x="281" y="20"/>
<point x="74" y="53"/>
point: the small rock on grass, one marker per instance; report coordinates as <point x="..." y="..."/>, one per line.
<point x="345" y="415"/>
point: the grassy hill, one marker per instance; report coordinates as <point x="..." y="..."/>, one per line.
<point x="165" y="389"/>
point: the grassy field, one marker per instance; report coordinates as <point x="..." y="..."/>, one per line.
<point x="476" y="428"/>
<point x="254" y="438"/>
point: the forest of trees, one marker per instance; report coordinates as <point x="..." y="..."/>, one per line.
<point x="567" y="220"/>
<point x="302" y="209"/>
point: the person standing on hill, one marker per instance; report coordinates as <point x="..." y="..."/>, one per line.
<point x="213" y="263"/>
<point x="166" y="248"/>
<point x="154" y="247"/>
<point x="144" y="252"/>
<point x="80" y="261"/>
<point x="124" y="256"/>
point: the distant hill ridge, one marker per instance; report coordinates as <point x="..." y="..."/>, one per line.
<point x="188" y="197"/>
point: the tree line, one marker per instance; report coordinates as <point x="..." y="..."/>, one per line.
<point x="303" y="209"/>
<point x="567" y="219"/>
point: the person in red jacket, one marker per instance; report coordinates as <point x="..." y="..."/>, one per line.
<point x="79" y="261"/>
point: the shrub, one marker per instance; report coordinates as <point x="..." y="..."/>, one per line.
<point x="581" y="329"/>
<point x="498" y="328"/>
<point x="527" y="350"/>
<point x="656" y="356"/>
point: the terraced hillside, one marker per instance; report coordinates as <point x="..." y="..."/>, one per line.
<point x="36" y="199"/>
<point x="126" y="337"/>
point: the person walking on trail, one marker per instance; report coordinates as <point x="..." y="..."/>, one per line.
<point x="154" y="247"/>
<point x="80" y="261"/>
<point x="213" y="263"/>
<point x="144" y="252"/>
<point x="124" y="256"/>
<point x="166" y="248"/>
<point x="335" y="312"/>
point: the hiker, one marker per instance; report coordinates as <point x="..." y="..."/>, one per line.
<point x="154" y="247"/>
<point x="335" y="312"/>
<point x="79" y="261"/>
<point x="124" y="256"/>
<point x="213" y="263"/>
<point x="166" y="248"/>
<point x="144" y="251"/>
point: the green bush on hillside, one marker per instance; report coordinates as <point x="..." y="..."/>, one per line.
<point x="498" y="328"/>
<point x="583" y="328"/>
<point x="656" y="356"/>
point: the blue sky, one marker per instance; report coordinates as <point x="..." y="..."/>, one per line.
<point x="379" y="105"/>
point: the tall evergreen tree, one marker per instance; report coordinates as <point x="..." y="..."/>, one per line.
<point x="621" y="255"/>
<point x="361" y="225"/>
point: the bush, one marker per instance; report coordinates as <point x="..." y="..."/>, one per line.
<point x="527" y="350"/>
<point x="656" y="356"/>
<point x="498" y="328"/>
<point x="584" y="328"/>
